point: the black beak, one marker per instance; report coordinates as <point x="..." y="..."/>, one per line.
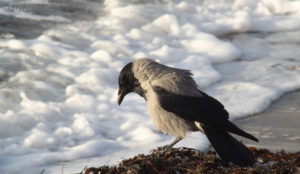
<point x="121" y="94"/>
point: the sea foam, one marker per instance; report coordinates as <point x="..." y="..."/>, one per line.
<point x="58" y="91"/>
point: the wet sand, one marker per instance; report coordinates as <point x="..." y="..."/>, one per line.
<point x="278" y="127"/>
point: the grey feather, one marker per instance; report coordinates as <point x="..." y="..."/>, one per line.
<point x="178" y="81"/>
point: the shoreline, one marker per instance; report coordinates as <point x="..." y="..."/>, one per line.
<point x="278" y="127"/>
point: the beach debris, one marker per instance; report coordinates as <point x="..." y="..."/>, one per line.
<point x="192" y="161"/>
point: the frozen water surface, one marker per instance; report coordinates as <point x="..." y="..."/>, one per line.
<point x="60" y="61"/>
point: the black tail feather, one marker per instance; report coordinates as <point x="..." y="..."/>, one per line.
<point x="230" y="127"/>
<point x="229" y="148"/>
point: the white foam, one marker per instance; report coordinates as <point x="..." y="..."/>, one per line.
<point x="166" y="25"/>
<point x="58" y="92"/>
<point x="208" y="45"/>
<point x="256" y="99"/>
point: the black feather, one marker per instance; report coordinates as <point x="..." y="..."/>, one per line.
<point x="229" y="148"/>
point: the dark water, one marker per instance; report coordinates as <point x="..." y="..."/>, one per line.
<point x="13" y="24"/>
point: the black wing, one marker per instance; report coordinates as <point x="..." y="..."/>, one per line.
<point x="203" y="109"/>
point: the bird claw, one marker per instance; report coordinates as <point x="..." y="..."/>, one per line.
<point x="163" y="151"/>
<point x="164" y="148"/>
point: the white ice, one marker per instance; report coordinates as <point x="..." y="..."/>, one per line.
<point x="58" y="108"/>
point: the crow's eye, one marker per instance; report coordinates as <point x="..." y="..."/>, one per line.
<point x="123" y="81"/>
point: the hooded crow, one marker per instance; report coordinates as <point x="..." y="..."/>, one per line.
<point x="177" y="106"/>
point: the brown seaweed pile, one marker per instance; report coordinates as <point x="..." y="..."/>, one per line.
<point x="191" y="161"/>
